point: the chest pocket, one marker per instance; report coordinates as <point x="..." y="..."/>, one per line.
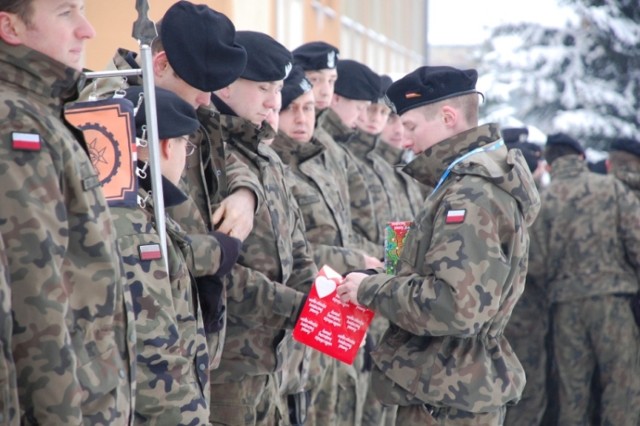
<point x="418" y="241"/>
<point x="306" y="200"/>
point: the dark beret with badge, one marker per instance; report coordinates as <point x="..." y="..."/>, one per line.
<point x="267" y="59"/>
<point x="175" y="116"/>
<point x="357" y="81"/>
<point x="631" y="146"/>
<point x="295" y="85"/>
<point x="427" y="85"/>
<point x="200" y="46"/>
<point x="514" y="134"/>
<point x="557" y="139"/>
<point x="316" y="56"/>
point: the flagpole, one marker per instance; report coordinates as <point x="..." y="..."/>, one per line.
<point x="144" y="30"/>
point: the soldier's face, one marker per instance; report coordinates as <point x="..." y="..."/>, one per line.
<point x="324" y="82"/>
<point x="348" y="109"/>
<point x="421" y="131"/>
<point x="57" y="28"/>
<point x="393" y="132"/>
<point x="252" y="100"/>
<point x="299" y="118"/>
<point x="373" y="119"/>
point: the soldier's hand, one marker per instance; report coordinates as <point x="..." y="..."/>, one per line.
<point x="234" y="217"/>
<point x="348" y="289"/>
<point x="371" y="262"/>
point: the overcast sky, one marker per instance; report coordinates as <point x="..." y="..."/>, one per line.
<point x="462" y="22"/>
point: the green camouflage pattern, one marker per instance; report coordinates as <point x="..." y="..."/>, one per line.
<point x="413" y="191"/>
<point x="598" y="256"/>
<point x="73" y="336"/>
<point x="457" y="283"/>
<point x="172" y="358"/>
<point x="589" y="234"/>
<point x="9" y="406"/>
<point x="366" y="231"/>
<point x="325" y="211"/>
<point x="626" y="167"/>
<point x="275" y="269"/>
<point x="252" y="401"/>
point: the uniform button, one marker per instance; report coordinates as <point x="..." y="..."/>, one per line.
<point x="202" y="367"/>
<point x="121" y="373"/>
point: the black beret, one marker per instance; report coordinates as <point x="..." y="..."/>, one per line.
<point x="175" y="116"/>
<point x="599" y="166"/>
<point x="199" y="43"/>
<point x="316" y="55"/>
<point x="632" y="146"/>
<point x="427" y="85"/>
<point x="564" y="139"/>
<point x="514" y="134"/>
<point x="385" y="83"/>
<point x="532" y="153"/>
<point x="357" y="81"/>
<point x="267" y="60"/>
<point x="295" y="85"/>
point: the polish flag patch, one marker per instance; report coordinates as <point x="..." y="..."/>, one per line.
<point x="26" y="141"/>
<point x="455" y="216"/>
<point x="150" y="252"/>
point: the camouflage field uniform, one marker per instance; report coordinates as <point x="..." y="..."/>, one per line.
<point x="172" y="361"/>
<point x="73" y="337"/>
<point x="9" y="406"/>
<point x="366" y="231"/>
<point x="444" y="357"/>
<point x="266" y="287"/>
<point x="626" y="167"/>
<point x="590" y="229"/>
<point x="328" y="230"/>
<point x="210" y="175"/>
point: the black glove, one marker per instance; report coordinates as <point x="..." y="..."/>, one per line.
<point x="210" y="293"/>
<point x="230" y="250"/>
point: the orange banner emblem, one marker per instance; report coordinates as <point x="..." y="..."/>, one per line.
<point x="109" y="130"/>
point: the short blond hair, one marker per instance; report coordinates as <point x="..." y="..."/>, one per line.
<point x="468" y="104"/>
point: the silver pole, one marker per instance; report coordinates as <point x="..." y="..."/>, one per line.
<point x="114" y="73"/>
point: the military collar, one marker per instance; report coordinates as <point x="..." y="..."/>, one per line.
<point x="172" y="195"/>
<point x="361" y="143"/>
<point x="390" y="153"/>
<point x="429" y="166"/>
<point x="294" y="152"/>
<point x="568" y="166"/>
<point x="41" y="74"/>
<point x="333" y="125"/>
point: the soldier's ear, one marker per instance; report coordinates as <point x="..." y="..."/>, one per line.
<point x="449" y="115"/>
<point x="11" y="26"/>
<point x="161" y="64"/>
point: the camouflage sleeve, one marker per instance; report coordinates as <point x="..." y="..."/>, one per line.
<point x="205" y="255"/>
<point x="363" y="216"/>
<point x="463" y="285"/>
<point x="239" y="176"/>
<point x="360" y="242"/>
<point x="254" y="297"/>
<point x="340" y="259"/>
<point x="9" y="408"/>
<point x="35" y="229"/>
<point x="629" y="220"/>
<point x="304" y="268"/>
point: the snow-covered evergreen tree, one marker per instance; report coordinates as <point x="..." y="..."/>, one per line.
<point x="582" y="78"/>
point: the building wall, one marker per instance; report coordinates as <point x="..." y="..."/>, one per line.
<point x="387" y="35"/>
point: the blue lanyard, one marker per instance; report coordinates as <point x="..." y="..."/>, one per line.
<point x="486" y="148"/>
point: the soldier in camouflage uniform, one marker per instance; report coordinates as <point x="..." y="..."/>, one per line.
<point x="624" y="162"/>
<point x="319" y="61"/>
<point x="172" y="361"/>
<point x="9" y="406"/>
<point x="214" y="179"/>
<point x="275" y="270"/>
<point x="444" y="359"/>
<point x="73" y="335"/>
<point x="589" y="229"/>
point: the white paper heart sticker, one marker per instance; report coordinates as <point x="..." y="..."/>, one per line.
<point x="324" y="287"/>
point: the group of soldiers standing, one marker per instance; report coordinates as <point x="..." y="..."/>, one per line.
<point x="275" y="163"/>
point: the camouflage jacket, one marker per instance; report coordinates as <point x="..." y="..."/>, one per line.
<point x="366" y="230"/>
<point x="413" y="191"/>
<point x="275" y="269"/>
<point x="73" y="338"/>
<point x="172" y="361"/>
<point x="210" y="175"/>
<point x="460" y="274"/>
<point x="326" y="214"/>
<point x="627" y="169"/>
<point x="589" y="229"/>
<point x="9" y="406"/>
